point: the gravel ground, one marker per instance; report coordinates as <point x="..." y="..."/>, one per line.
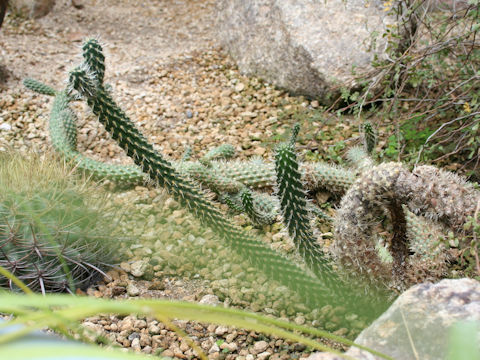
<point x="168" y="75"/>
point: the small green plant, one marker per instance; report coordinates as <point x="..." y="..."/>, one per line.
<point x="55" y="231"/>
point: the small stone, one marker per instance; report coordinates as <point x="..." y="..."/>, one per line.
<point x="210" y="300"/>
<point x="189" y="114"/>
<point x="221" y="330"/>
<point x="132" y="289"/>
<point x="259" y="151"/>
<point x="126" y="324"/>
<point x="5" y="126"/>
<point x="264" y="355"/>
<point x="138" y="268"/>
<point x="118" y="290"/>
<point x="214" y="349"/>
<point x="239" y="87"/>
<point x="299" y="320"/>
<point x="229" y="346"/>
<point x="133" y="336"/>
<point x="153" y="329"/>
<point x="140" y="324"/>
<point x="260" y="346"/>
<point x="168" y="353"/>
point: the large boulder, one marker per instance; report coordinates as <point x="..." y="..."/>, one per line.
<point x="307" y="47"/>
<point x="419" y="323"/>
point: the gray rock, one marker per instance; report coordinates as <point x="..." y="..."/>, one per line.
<point x="417" y="324"/>
<point x="210" y="300"/>
<point x="304" y="46"/>
<point x="32" y="8"/>
<point x="137" y="268"/>
<point x="132" y="289"/>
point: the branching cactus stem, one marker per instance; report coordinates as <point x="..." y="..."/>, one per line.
<point x="163" y="173"/>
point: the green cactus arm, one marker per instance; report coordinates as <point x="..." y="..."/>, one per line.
<point x="161" y="171"/>
<point x="94" y="58"/>
<point x="294" y="135"/>
<point x="316" y="211"/>
<point x="39" y="87"/>
<point x="253" y="174"/>
<point x="369" y="136"/>
<point x="62" y="125"/>
<point x="62" y="128"/>
<point x="258" y="217"/>
<point x="231" y="202"/>
<point x="334" y="179"/>
<point x="209" y="177"/>
<point x="360" y="159"/>
<point x="295" y="213"/>
<point x="224" y="151"/>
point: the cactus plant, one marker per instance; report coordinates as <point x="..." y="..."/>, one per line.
<point x="376" y="189"/>
<point x="224" y="151"/>
<point x="164" y="174"/>
<point x="296" y="215"/>
<point x="54" y="233"/>
<point x="426" y="191"/>
<point x="369" y="136"/>
<point x="258" y="217"/>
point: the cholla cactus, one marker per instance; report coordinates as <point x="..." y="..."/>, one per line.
<point x="369" y="136"/>
<point x="360" y="159"/>
<point x="39" y="87"/>
<point x="427" y="191"/>
<point x="224" y="151"/>
<point x="164" y="174"/>
<point x="258" y="217"/>
<point x="296" y="215"/>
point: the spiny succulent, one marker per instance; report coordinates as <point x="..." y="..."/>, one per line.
<point x="55" y="234"/>
<point x="164" y="174"/>
<point x="434" y="194"/>
<point x="224" y="151"/>
<point x="296" y="215"/>
<point x="360" y="159"/>
<point x="369" y="136"/>
<point x="258" y="217"/>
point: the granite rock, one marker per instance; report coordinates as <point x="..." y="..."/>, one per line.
<point x="418" y="323"/>
<point x="32" y="8"/>
<point x="307" y="47"/>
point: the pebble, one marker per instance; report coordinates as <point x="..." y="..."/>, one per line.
<point x="137" y="268"/>
<point x="210" y="300"/>
<point x="259" y="347"/>
<point x="132" y="289"/>
<point x="5" y="127"/>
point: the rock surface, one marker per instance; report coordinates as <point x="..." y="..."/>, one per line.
<point x="417" y="325"/>
<point x="32" y="8"/>
<point x="306" y="47"/>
